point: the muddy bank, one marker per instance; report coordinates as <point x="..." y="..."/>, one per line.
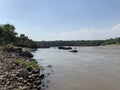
<point x="18" y="71"/>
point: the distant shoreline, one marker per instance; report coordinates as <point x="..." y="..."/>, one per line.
<point x="110" y="46"/>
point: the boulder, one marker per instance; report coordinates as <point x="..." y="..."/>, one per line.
<point x="29" y="69"/>
<point x="12" y="49"/>
<point x="37" y="71"/>
<point x="26" y="54"/>
<point x="24" y="74"/>
<point x="65" y="48"/>
<point x="42" y="76"/>
<point x="74" y="51"/>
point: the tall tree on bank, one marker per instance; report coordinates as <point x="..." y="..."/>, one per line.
<point x="7" y="33"/>
<point x="8" y="36"/>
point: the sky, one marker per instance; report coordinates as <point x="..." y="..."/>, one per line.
<point x="63" y="19"/>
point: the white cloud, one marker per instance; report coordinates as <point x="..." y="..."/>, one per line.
<point x="91" y="34"/>
<point x="116" y="27"/>
<point x="82" y="34"/>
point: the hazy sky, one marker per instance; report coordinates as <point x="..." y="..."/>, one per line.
<point x="63" y="19"/>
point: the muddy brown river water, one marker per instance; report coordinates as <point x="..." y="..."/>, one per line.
<point x="92" y="68"/>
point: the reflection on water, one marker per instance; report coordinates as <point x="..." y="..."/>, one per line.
<point x="92" y="68"/>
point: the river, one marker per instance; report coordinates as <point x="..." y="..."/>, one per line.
<point x="92" y="68"/>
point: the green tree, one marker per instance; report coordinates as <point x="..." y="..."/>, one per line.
<point x="8" y="33"/>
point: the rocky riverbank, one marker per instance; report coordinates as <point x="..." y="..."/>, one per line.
<point x="18" y="71"/>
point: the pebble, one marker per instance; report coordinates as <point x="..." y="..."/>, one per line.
<point x="14" y="77"/>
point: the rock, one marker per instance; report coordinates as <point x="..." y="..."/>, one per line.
<point x="30" y="81"/>
<point x="8" y="82"/>
<point x="29" y="69"/>
<point x="38" y="82"/>
<point x="73" y="51"/>
<point x="39" y="88"/>
<point x="33" y="76"/>
<point x="65" y="48"/>
<point x="42" y="76"/>
<point x="26" y="54"/>
<point x="36" y="71"/>
<point x="23" y="88"/>
<point x="24" y="74"/>
<point x="16" y="64"/>
<point x="14" y="76"/>
<point x="11" y="49"/>
<point x="1" y="77"/>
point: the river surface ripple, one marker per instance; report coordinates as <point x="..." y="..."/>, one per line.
<point x="92" y="68"/>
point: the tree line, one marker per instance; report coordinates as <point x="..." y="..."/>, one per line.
<point x="78" y="42"/>
<point x="9" y="36"/>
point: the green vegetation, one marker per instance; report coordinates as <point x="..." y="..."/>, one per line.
<point x="115" y="41"/>
<point x="10" y="37"/>
<point x="78" y="43"/>
<point x="16" y="66"/>
<point x="25" y="63"/>
<point x="7" y="34"/>
<point x="69" y="43"/>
